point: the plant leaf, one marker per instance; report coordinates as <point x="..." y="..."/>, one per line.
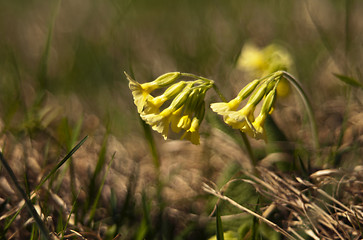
<point x="348" y="80"/>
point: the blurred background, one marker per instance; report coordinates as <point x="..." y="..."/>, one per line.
<point x="82" y="47"/>
<point x="62" y="64"/>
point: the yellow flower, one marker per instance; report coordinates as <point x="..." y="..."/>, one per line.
<point x="224" y="108"/>
<point x="140" y="92"/>
<point x="252" y="60"/>
<point x="159" y="122"/>
<point x="175" y="118"/>
<point x="192" y="134"/>
<point x="241" y="119"/>
<point x="184" y="122"/>
<point x="263" y="61"/>
<point x="185" y="111"/>
<point x="153" y="104"/>
<point x="258" y="130"/>
<point x="260" y="62"/>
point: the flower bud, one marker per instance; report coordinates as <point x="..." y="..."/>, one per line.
<point x="167" y="79"/>
<point x="180" y="99"/>
<point x="268" y="102"/>
<point x="258" y="95"/>
<point x="174" y="89"/>
<point x="248" y="89"/>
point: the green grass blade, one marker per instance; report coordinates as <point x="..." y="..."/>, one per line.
<point x="150" y="139"/>
<point x="8" y="224"/>
<point x="69" y="216"/>
<point x="61" y="162"/>
<point x="348" y="80"/>
<point x="99" y="166"/>
<point x="42" y="228"/>
<point x="145" y="223"/>
<point x="97" y="198"/>
<point x="43" y="67"/>
<point x="219" y="226"/>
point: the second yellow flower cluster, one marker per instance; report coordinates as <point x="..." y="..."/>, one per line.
<point x="244" y="119"/>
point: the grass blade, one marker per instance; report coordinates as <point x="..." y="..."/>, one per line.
<point x="98" y="195"/>
<point x="42" y="228"/>
<point x="61" y="162"/>
<point x="151" y="141"/>
<point x="219" y="226"/>
<point x="43" y="67"/>
<point x="348" y="80"/>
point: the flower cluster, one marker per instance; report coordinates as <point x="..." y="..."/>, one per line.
<point x="186" y="108"/>
<point x="258" y="62"/>
<point x="244" y="118"/>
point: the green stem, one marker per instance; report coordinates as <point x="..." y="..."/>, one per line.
<point x="219" y="93"/>
<point x="243" y="135"/>
<point x="304" y="98"/>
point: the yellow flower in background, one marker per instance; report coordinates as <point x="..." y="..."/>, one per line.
<point x="252" y="60"/>
<point x="263" y="61"/>
<point x="259" y="62"/>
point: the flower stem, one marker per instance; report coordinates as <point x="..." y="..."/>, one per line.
<point x="243" y="135"/>
<point x="296" y="84"/>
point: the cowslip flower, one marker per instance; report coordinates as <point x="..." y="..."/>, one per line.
<point x="192" y="134"/>
<point x="195" y="116"/>
<point x="258" y="130"/>
<point x="263" y="61"/>
<point x="242" y="119"/>
<point x="153" y="104"/>
<point x="141" y="92"/>
<point x="186" y="108"/>
<point x="224" y="108"/>
<point x="160" y="121"/>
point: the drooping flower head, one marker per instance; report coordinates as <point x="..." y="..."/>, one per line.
<point x="185" y="111"/>
<point x="263" y="89"/>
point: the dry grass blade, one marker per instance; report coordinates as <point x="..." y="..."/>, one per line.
<point x="309" y="207"/>
<point x="43" y="229"/>
<point x="210" y="190"/>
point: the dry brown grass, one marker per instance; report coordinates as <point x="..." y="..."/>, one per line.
<point x="326" y="205"/>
